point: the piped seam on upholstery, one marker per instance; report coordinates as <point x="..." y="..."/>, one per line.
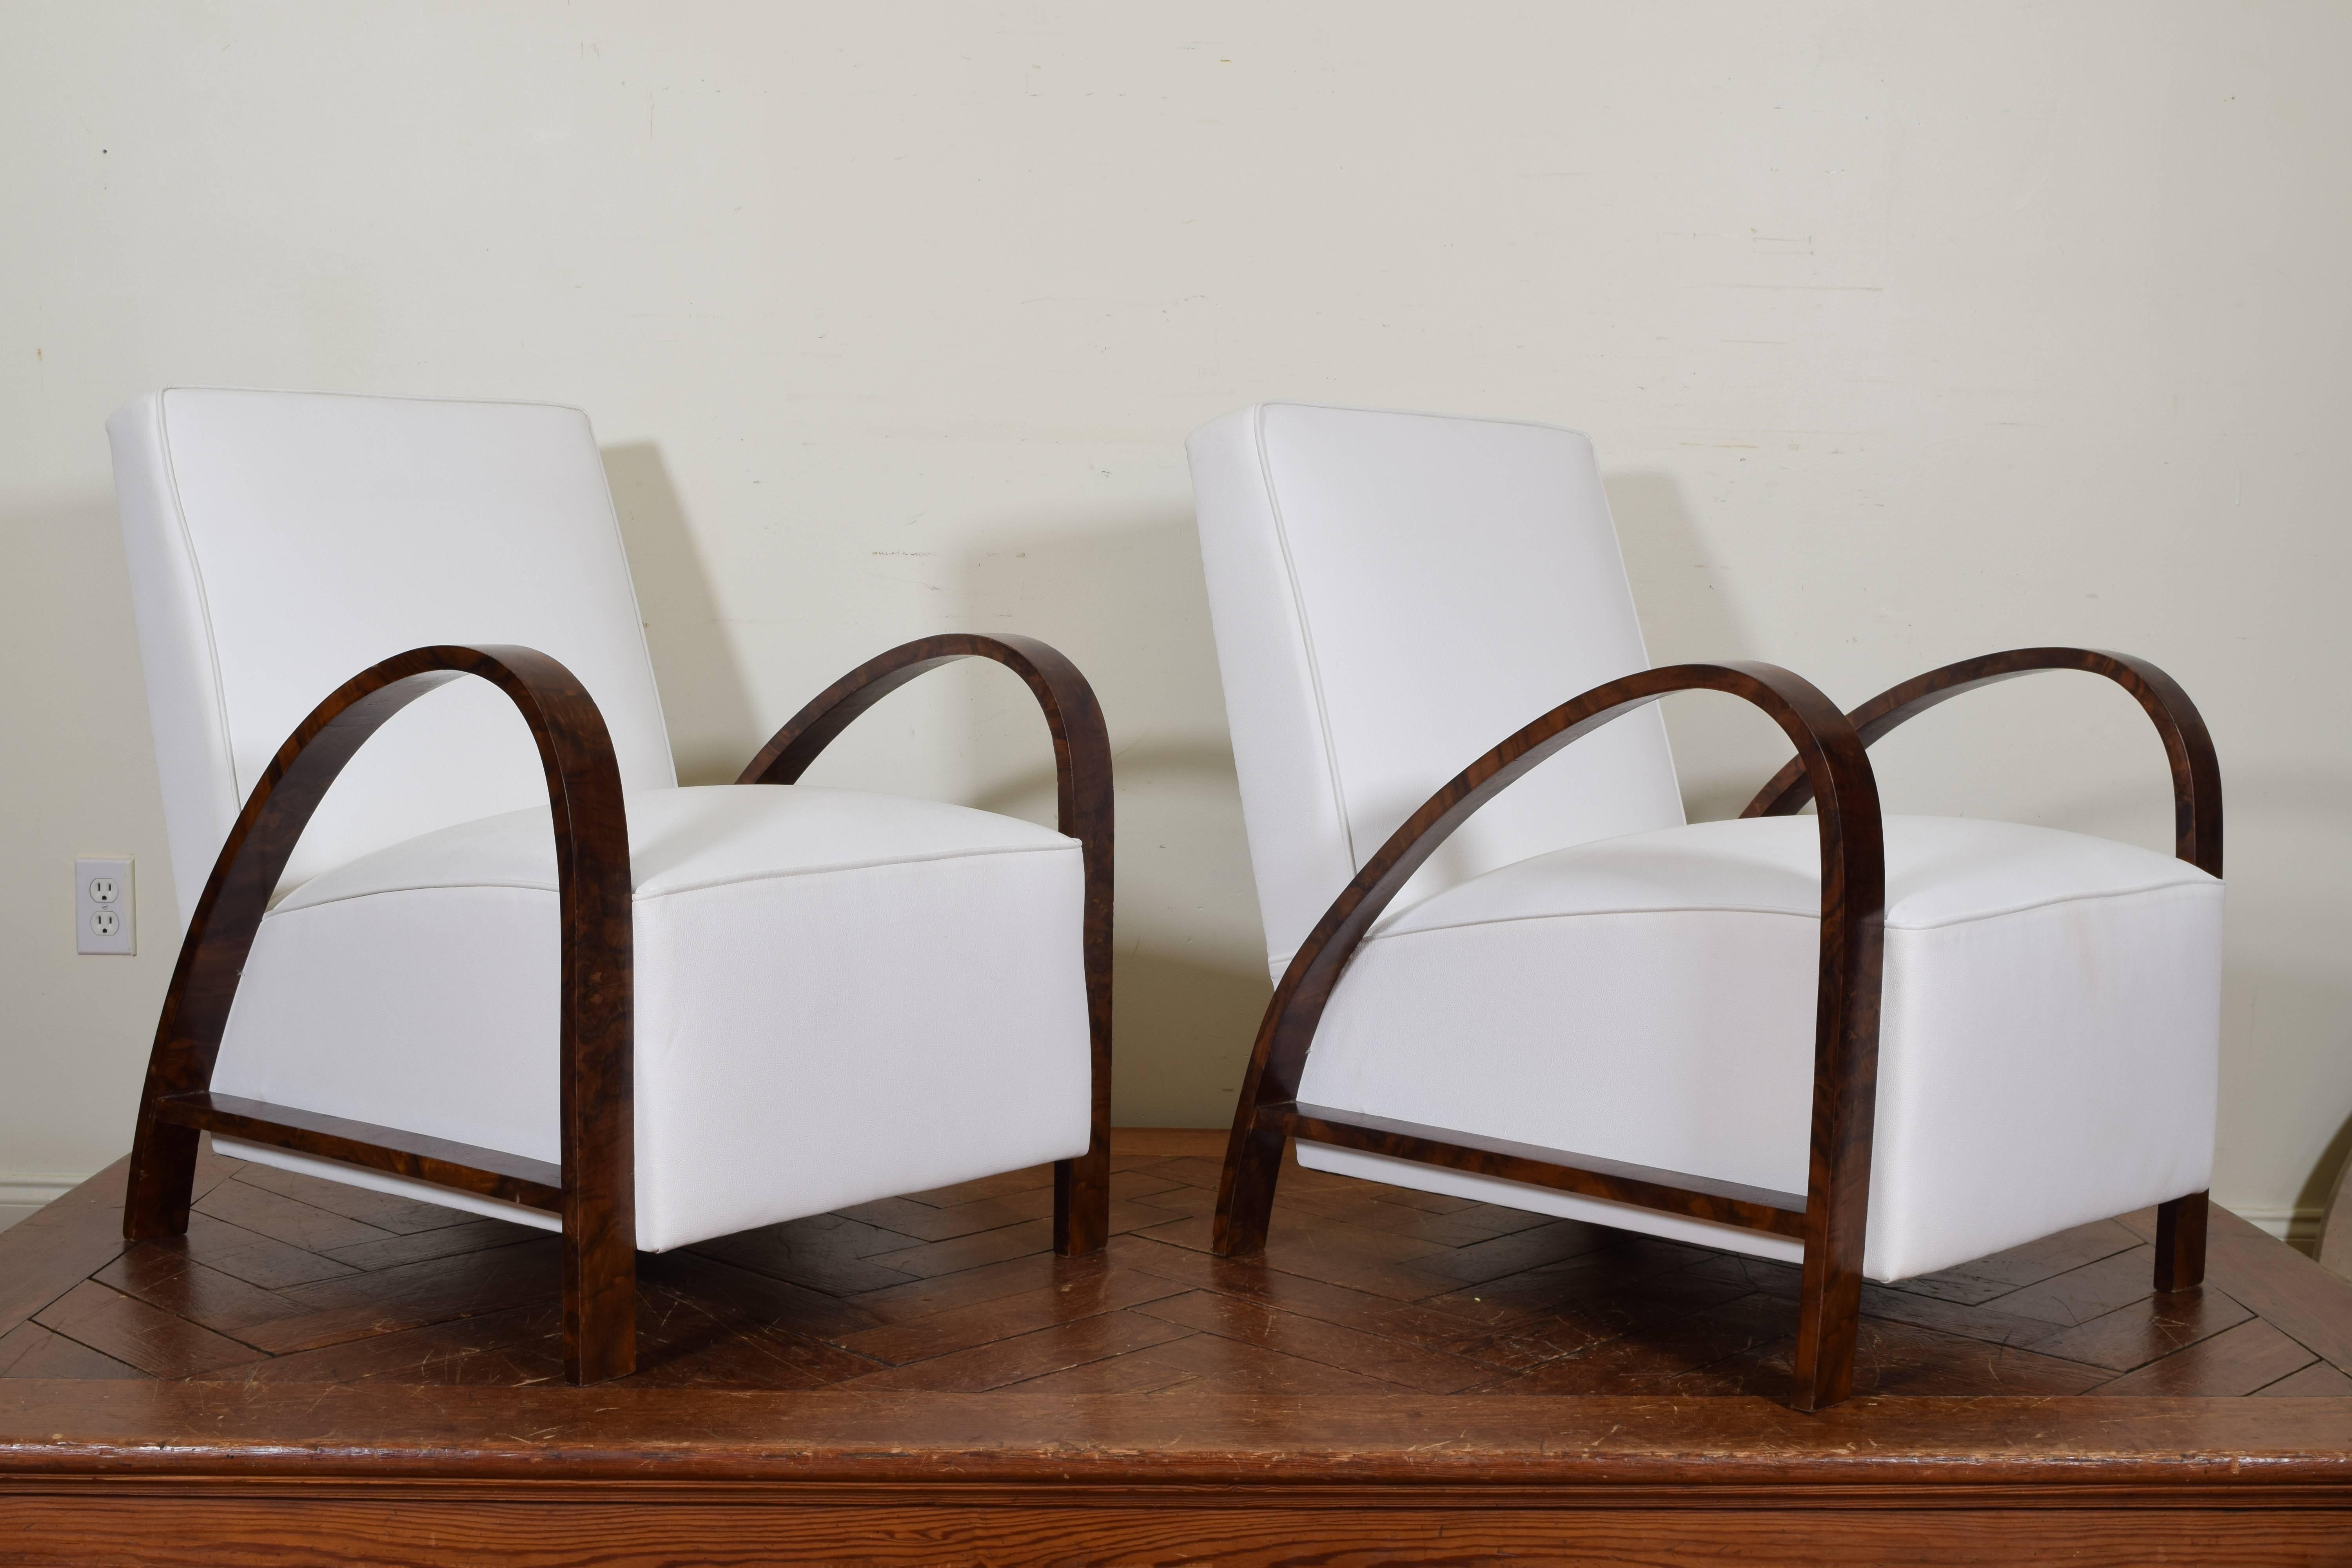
<point x="1306" y="638"/>
<point x="1584" y="914"/>
<point x="203" y="602"/>
<point x="776" y="875"/>
<point x="1798" y="914"/>
<point x="636" y="610"/>
<point x="2213" y="882"/>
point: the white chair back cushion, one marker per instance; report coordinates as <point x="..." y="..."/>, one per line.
<point x="1393" y="594"/>
<point x="280" y="542"/>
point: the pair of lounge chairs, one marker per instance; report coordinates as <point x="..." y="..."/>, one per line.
<point x="560" y="989"/>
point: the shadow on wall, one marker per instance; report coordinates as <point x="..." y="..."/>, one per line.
<point x="1724" y="749"/>
<point x="704" y="697"/>
<point x="1126" y="603"/>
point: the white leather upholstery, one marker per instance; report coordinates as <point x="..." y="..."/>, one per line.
<point x="2045" y="1053"/>
<point x="839" y="996"/>
<point x="281" y="543"/>
<point x="1393" y="595"/>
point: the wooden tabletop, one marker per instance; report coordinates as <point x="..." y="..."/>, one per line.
<point x="1391" y="1345"/>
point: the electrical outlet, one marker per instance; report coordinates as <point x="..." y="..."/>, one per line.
<point x="104" y="921"/>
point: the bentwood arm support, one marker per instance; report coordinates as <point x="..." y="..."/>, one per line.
<point x="1833" y="760"/>
<point x="596" y="1188"/>
<point x="1083" y="782"/>
<point x="2196" y="772"/>
<point x="2196" y="821"/>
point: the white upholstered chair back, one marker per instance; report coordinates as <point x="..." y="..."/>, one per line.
<point x="1393" y="595"/>
<point x="281" y="543"/>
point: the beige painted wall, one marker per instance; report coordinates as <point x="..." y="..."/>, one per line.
<point x="1906" y="331"/>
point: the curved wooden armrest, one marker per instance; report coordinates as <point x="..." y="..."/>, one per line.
<point x="1082" y="775"/>
<point x="592" y="853"/>
<point x="2196" y="772"/>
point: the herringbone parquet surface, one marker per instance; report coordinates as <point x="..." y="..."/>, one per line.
<point x="1363" y="1289"/>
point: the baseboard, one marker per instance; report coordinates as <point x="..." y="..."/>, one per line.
<point x="2298" y="1227"/>
<point x="22" y="1192"/>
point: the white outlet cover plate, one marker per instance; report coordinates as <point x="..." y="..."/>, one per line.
<point x="103" y="886"/>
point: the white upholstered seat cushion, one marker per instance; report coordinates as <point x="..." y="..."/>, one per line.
<point x="839" y="996"/>
<point x="2047" y="1053"/>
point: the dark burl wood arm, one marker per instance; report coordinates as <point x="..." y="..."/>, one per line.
<point x="598" y="1182"/>
<point x="2196" y="772"/>
<point x="1836" y="768"/>
<point x="1083" y="784"/>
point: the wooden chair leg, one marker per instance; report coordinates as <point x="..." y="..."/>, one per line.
<point x="2180" y="1243"/>
<point x="1246" y="1191"/>
<point x="1082" y="1201"/>
<point x="600" y="1303"/>
<point x="1829" y="1321"/>
<point x="163" y="1179"/>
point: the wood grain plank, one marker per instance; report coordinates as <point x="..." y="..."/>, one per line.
<point x="2003" y="1272"/>
<point x="414" y="1295"/>
<point x="1609" y="1311"/>
<point x="440" y="1241"/>
<point x="162" y="1274"/>
<point x="1423" y="1326"/>
<point x="256" y="1258"/>
<point x="1314" y="1339"/>
<point x="57" y="1245"/>
<point x="281" y="1218"/>
<point x="1554" y="1241"/>
<point x="2092" y="1290"/>
<point x="1987" y="1324"/>
<point x="928" y="1221"/>
<point x="2233" y="1452"/>
<point x="518" y="1348"/>
<point x="944" y="1222"/>
<point x="1892" y="1358"/>
<point x="826" y="1253"/>
<point x="1335" y="1253"/>
<point x="755" y="1298"/>
<point x="2290" y="1292"/>
<point x="1667" y="1358"/>
<point x="2154" y="1326"/>
<point x="1000" y="1363"/>
<point x="1206" y="1360"/>
<point x="1024" y="1180"/>
<point x="2317" y="1380"/>
<point x="691" y="1338"/>
<point x="932" y="1259"/>
<point x="130" y="1331"/>
<point x="533" y="1533"/>
<point x="919" y="1299"/>
<point x="29" y="1350"/>
<point x="1082" y="1288"/>
<point x="2238" y="1360"/>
